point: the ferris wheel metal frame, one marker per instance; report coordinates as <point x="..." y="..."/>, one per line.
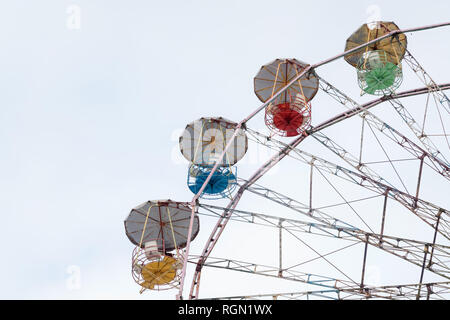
<point x="429" y="256"/>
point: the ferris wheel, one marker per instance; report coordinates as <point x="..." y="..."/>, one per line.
<point x="369" y="160"/>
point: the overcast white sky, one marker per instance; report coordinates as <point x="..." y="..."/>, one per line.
<point x="90" y="116"/>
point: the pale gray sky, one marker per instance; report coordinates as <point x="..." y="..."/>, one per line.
<point x="90" y="116"/>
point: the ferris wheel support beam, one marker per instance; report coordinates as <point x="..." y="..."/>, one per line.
<point x="270" y="271"/>
<point x="280" y="245"/>
<point x="419" y="179"/>
<point x="416" y="129"/>
<point x="332" y="294"/>
<point x="444" y="270"/>
<point x="355" y="108"/>
<point x="364" y="262"/>
<point x="383" y="217"/>
<point x="331" y="284"/>
<point x="426" y="211"/>
<point x="422" y="271"/>
<point x="387" y="292"/>
<point x="337" y="229"/>
<point x="406" y="249"/>
<point x="233" y="203"/>
<point x="427" y="80"/>
<point x="347" y="156"/>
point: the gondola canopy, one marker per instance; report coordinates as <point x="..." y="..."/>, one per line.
<point x="394" y="46"/>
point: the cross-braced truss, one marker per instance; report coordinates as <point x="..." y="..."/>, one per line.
<point x="424" y="151"/>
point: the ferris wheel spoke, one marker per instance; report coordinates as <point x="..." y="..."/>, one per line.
<point x="345" y="200"/>
<point x="435" y="89"/>
<point x="438" y="95"/>
<point x="416" y="129"/>
<point x="270" y="271"/>
<point x="435" y="216"/>
<point x="388" y="158"/>
<point x="436" y="164"/>
<point x="344" y="203"/>
<point x="347" y="156"/>
<point x="346" y="289"/>
<point x="332" y="294"/>
<point x="445" y="135"/>
<point x="410" y="250"/>
<point x="319" y="257"/>
<point x="437" y="265"/>
<point x="434" y="291"/>
<point x="281" y="223"/>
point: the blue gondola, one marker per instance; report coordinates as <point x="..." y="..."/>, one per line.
<point x="221" y="185"/>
